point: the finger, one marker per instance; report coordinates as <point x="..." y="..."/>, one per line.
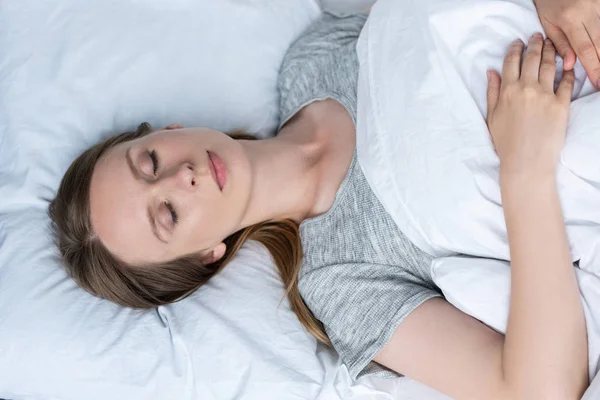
<point x="565" y="87"/>
<point x="533" y="56"/>
<point x="548" y="65"/>
<point x="511" y="69"/>
<point x="562" y="45"/>
<point x="493" y="92"/>
<point x="593" y="29"/>
<point x="585" y="50"/>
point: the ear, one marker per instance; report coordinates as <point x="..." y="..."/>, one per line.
<point x="174" y="126"/>
<point x="215" y="254"/>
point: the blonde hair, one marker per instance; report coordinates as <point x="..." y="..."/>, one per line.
<point x="95" y="269"/>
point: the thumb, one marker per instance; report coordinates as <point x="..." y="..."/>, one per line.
<point x="493" y="92"/>
<point x="562" y="45"/>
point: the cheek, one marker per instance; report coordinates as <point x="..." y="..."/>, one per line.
<point x="201" y="220"/>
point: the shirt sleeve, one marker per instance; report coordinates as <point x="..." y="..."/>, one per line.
<point x="322" y="63"/>
<point x="361" y="305"/>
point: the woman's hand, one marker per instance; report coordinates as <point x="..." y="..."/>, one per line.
<point x="574" y="24"/>
<point x="526" y="118"/>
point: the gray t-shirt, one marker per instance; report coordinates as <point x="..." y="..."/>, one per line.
<point x="360" y="275"/>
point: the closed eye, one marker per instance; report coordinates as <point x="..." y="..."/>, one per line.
<point x="154" y="158"/>
<point x="174" y="216"/>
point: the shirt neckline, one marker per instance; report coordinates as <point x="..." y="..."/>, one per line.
<point x="338" y="196"/>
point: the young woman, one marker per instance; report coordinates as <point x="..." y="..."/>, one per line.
<point x="145" y="218"/>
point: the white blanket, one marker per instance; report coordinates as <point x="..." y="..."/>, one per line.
<point x="426" y="151"/>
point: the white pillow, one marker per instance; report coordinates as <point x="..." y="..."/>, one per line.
<point x="72" y="72"/>
<point x="229" y="339"/>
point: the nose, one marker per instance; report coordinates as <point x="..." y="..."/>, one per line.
<point x="182" y="176"/>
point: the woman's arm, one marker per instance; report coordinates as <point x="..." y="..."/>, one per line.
<point x="546" y="337"/>
<point x="544" y="353"/>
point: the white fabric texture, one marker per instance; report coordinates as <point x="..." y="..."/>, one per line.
<point x="426" y="151"/>
<point x="70" y="73"/>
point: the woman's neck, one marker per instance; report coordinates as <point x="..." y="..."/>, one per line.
<point x="297" y="173"/>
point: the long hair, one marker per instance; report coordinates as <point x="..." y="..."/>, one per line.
<point x="93" y="267"/>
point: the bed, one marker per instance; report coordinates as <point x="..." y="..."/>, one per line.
<point x="72" y="72"/>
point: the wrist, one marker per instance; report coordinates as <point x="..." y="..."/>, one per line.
<point x="528" y="181"/>
<point x="537" y="172"/>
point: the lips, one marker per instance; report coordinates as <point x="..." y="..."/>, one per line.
<point x="218" y="169"/>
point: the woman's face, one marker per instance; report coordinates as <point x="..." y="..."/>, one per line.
<point x="171" y="193"/>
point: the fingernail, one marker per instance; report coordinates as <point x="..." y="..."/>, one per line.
<point x="598" y="84"/>
<point x="489" y="75"/>
<point x="537" y="35"/>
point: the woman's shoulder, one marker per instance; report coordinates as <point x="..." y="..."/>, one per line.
<point x="321" y="63"/>
<point x="324" y="35"/>
<point x="324" y="38"/>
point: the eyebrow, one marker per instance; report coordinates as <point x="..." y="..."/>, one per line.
<point x="136" y="175"/>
